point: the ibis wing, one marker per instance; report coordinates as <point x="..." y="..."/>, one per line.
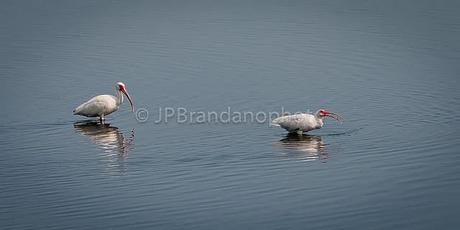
<point x="294" y="122"/>
<point x="96" y="106"/>
<point x="290" y="122"/>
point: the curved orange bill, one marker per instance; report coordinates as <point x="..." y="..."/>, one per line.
<point x="335" y="116"/>
<point x="129" y="99"/>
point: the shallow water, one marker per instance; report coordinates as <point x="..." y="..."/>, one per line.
<point x="390" y="68"/>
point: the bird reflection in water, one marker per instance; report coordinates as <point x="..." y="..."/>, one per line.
<point x="109" y="138"/>
<point x="303" y="147"/>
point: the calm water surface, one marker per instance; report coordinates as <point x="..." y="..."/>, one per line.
<point x="391" y="68"/>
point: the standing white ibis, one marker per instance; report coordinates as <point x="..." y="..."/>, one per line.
<point x="304" y="122"/>
<point x="103" y="105"/>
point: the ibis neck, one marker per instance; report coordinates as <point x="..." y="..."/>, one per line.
<point x="318" y="116"/>
<point x="319" y="119"/>
<point x="320" y="122"/>
<point x="119" y="97"/>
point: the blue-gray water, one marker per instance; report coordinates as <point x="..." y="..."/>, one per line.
<point x="391" y="68"/>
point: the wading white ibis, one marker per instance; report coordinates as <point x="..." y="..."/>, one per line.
<point x="304" y="122"/>
<point x="103" y="105"/>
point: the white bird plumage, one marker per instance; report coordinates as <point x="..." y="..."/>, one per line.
<point x="103" y="105"/>
<point x="304" y="122"/>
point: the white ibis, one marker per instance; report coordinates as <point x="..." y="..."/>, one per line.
<point x="304" y="122"/>
<point x="103" y="105"/>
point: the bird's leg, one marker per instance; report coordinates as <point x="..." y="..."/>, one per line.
<point x="102" y="119"/>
